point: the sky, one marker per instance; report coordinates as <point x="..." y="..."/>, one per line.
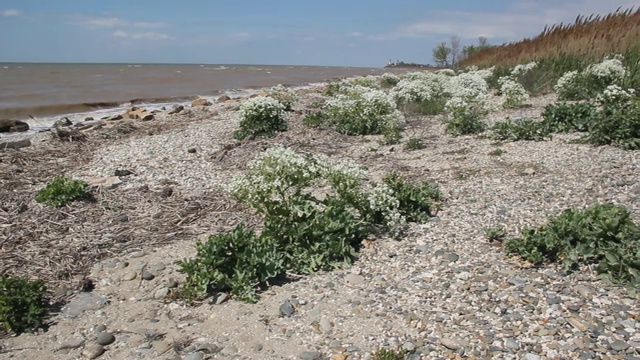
<point x="283" y="32"/>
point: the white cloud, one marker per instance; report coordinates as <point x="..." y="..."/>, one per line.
<point x="11" y="12"/>
<point x="355" y="34"/>
<point x="141" y="36"/>
<point x="112" y="22"/>
<point x="520" y="19"/>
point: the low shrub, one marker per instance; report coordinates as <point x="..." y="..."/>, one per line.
<point x="260" y="116"/>
<point x="618" y="123"/>
<point x="62" y="190"/>
<point x="314" y="211"/>
<point x="388" y="80"/>
<point x="23" y="304"/>
<point x="564" y="117"/>
<point x="593" y="80"/>
<point x="363" y="111"/>
<point x="495" y="233"/>
<point x="524" y="129"/>
<point x="604" y="235"/>
<point x="514" y="94"/>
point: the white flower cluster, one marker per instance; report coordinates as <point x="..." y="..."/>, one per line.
<point x="382" y="199"/>
<point x="610" y="69"/>
<point x="566" y="82"/>
<point x="469" y="92"/>
<point x="279" y="173"/>
<point x="513" y="93"/>
<point x="285" y="95"/>
<point x="369" y="81"/>
<point x="261" y="107"/>
<point x="446" y="72"/>
<point x="421" y="86"/>
<point x="614" y="94"/>
<point x="522" y="69"/>
<point x="388" y="79"/>
<point x="362" y="104"/>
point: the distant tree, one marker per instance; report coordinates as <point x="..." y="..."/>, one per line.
<point x="469" y="50"/>
<point x="455" y="49"/>
<point x="441" y="54"/>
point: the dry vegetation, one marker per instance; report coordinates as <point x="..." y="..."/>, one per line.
<point x="590" y="37"/>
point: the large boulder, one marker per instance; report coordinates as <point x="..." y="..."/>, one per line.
<point x="139" y="114"/>
<point x="200" y="102"/>
<point x="15" y="144"/>
<point x="7" y="125"/>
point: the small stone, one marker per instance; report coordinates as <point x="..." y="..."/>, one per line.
<point x="194" y="356"/>
<point x="287" y="309"/>
<point x="529" y="171"/>
<point x="229" y="350"/>
<point x="354" y="279"/>
<point x="161" y="293"/>
<point x="71" y="344"/>
<point x="130" y="275"/>
<point x="105" y="338"/>
<point x="172" y="283"/>
<point x="147" y="276"/>
<point x="511" y="344"/>
<point x="451" y="344"/>
<point x="257" y="347"/>
<point x="408" y="346"/>
<point x="93" y="351"/>
<point x="517" y="281"/>
<point x="101" y="328"/>
<point x="452" y="257"/>
<point x="531" y="356"/>
<point x="192" y="150"/>
<point x="310" y="355"/>
<point x="122" y="173"/>
<point x="619" y="345"/>
<point x="208" y="348"/>
<point x="166" y="192"/>
<point x="325" y="325"/>
<point x="221" y="298"/>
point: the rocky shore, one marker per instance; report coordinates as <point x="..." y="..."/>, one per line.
<point x="442" y="292"/>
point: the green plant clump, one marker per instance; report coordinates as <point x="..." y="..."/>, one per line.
<point x="61" y="190"/>
<point x="22" y="304"/>
<point x="414" y="144"/>
<point x="389" y="354"/>
<point x="525" y="129"/>
<point x="618" y="123"/>
<point x="564" y="117"/>
<point x="315" y="212"/>
<point x="604" y="235"/>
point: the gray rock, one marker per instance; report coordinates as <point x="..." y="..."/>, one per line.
<point x="531" y="356"/>
<point x="194" y="356"/>
<point x="84" y="302"/>
<point x="511" y="344"/>
<point x="619" y="345"/>
<point x="287" y="309"/>
<point x="148" y="276"/>
<point x="257" y="347"/>
<point x="105" y="338"/>
<point x="101" y="328"/>
<point x="93" y="351"/>
<point x="408" y="346"/>
<point x="310" y="355"/>
<point x="517" y="281"/>
<point x="161" y="293"/>
<point x="354" y="279"/>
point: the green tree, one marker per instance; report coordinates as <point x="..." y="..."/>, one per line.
<point x="441" y="54"/>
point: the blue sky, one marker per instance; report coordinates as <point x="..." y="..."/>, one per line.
<point x="294" y="32"/>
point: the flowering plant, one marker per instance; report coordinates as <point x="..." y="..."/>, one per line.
<point x="261" y="115"/>
<point x="513" y="93"/>
<point x="285" y="95"/>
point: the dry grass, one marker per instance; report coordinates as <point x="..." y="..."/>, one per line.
<point x="590" y="37"/>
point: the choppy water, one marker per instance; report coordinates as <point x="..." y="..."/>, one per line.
<point x="46" y="90"/>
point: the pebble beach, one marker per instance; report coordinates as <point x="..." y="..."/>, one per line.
<point x="443" y="291"/>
